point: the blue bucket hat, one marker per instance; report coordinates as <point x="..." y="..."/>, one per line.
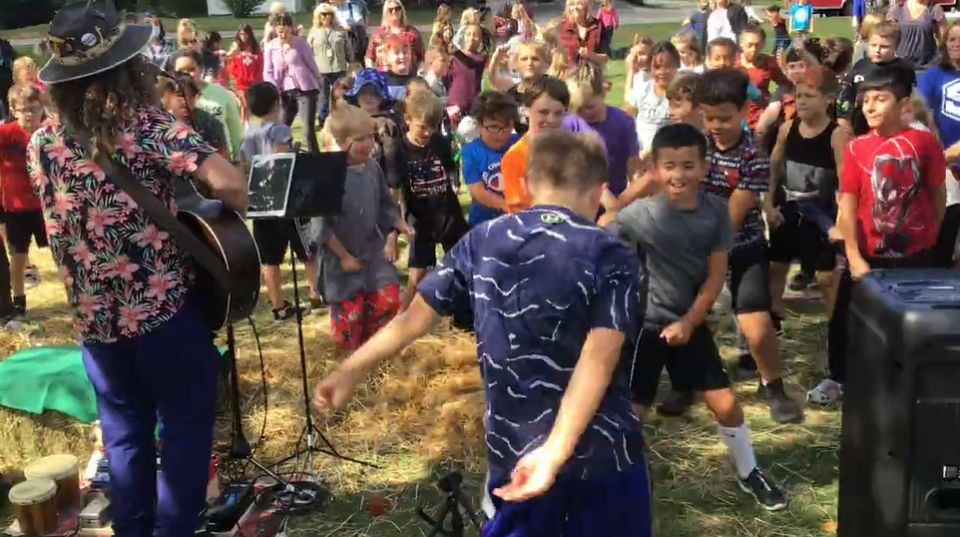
<point x="368" y="77"/>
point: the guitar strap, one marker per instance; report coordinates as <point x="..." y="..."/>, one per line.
<point x="167" y="221"/>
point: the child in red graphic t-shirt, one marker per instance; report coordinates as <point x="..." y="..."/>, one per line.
<point x="892" y="202"/>
<point x="23" y="215"/>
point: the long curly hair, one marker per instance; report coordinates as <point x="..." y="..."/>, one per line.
<point x="94" y="109"/>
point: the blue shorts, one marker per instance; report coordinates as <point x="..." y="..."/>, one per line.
<point x="615" y="505"/>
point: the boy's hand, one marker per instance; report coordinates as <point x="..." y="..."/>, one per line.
<point x="774" y="216"/>
<point x="350" y="264"/>
<point x="390" y="248"/>
<point x="858" y="268"/>
<point x="834" y="234"/>
<point x="609" y="202"/>
<point x="334" y="391"/>
<point x="534" y="475"/>
<point x="678" y="333"/>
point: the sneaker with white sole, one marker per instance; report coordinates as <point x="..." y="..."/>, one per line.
<point x="764" y="490"/>
<point x="827" y="392"/>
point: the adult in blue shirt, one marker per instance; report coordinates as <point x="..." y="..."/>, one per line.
<point x="564" y="448"/>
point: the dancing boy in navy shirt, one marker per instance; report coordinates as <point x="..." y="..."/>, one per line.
<point x="565" y="452"/>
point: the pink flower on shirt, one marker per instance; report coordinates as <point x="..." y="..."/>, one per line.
<point x="152" y="236"/>
<point x="181" y="163"/>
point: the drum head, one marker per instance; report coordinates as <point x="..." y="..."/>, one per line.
<point x="33" y="492"/>
<point x="54" y="467"/>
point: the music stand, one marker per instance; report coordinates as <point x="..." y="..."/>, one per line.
<point x="300" y="185"/>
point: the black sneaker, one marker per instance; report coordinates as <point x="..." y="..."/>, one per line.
<point x="764" y="490"/>
<point x="746" y="367"/>
<point x="676" y="404"/>
<point x="20" y="306"/>
<point x="782" y="408"/>
<point x="802" y="281"/>
<point x="288" y="311"/>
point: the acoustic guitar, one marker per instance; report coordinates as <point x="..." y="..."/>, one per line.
<point x="226" y="235"/>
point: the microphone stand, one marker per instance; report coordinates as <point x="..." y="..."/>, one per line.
<point x="310" y="431"/>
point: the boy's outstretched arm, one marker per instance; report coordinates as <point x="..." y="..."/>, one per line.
<point x="335" y="390"/>
<point x="443" y="292"/>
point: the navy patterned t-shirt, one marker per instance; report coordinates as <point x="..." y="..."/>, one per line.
<point x="538" y="282"/>
<point x="741" y="167"/>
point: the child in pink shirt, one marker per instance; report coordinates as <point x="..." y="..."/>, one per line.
<point x="610" y="21"/>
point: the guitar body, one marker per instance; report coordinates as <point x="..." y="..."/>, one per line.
<point x="227" y="235"/>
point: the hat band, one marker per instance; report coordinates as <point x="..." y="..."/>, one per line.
<point x="67" y="53"/>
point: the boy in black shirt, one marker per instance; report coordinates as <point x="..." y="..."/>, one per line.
<point x="429" y="203"/>
<point x="882" y="48"/>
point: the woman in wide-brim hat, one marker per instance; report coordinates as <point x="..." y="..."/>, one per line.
<point x="146" y="346"/>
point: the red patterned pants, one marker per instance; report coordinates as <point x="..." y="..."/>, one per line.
<point x="354" y="321"/>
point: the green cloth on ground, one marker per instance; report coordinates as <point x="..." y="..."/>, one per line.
<point x="36" y="379"/>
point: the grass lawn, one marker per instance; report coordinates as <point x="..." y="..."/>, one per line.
<point x="423" y="413"/>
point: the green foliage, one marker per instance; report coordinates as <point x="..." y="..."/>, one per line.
<point x="242" y="9"/>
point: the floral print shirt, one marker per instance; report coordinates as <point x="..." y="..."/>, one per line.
<point x="124" y="276"/>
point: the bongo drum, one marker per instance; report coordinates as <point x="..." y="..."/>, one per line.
<point x="34" y="505"/>
<point x="64" y="470"/>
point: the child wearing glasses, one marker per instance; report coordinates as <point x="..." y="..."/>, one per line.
<point x="495" y="114"/>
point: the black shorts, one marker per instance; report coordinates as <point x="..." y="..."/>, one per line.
<point x="22" y="227"/>
<point x="748" y="278"/>
<point x="800" y="239"/>
<point x="694" y="367"/>
<point x="423" y="251"/>
<point x="274" y="235"/>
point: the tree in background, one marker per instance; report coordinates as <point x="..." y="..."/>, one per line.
<point x="242" y="9"/>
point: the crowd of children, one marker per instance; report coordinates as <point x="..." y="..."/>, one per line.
<point x="724" y="166"/>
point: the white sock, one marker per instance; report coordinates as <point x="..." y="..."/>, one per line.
<point x="739" y="447"/>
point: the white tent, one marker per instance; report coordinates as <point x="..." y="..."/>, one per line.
<point x="217" y="7"/>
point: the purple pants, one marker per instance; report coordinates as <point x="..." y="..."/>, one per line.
<point x="613" y="505"/>
<point x="168" y="374"/>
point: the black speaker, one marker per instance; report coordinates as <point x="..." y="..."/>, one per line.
<point x="901" y="407"/>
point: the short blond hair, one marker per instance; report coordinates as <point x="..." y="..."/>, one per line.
<point x="870" y="21"/>
<point x="277" y="7"/>
<point x="21" y="65"/>
<point x="25" y="93"/>
<point x="469" y="16"/>
<point x="423" y="106"/>
<point x="347" y="121"/>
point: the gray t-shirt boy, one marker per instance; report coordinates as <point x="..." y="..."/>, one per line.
<point x="262" y="138"/>
<point x="675" y="245"/>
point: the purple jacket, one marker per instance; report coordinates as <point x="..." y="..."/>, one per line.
<point x="293" y="69"/>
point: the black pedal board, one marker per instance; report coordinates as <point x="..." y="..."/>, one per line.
<point x="233" y="502"/>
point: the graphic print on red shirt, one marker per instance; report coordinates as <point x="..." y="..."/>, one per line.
<point x="892" y="179"/>
<point x="246" y="69"/>
<point x="16" y="190"/>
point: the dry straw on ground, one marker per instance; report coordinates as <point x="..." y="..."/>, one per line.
<point x="425" y="409"/>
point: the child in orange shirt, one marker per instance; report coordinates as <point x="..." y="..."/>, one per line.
<point x="545" y="105"/>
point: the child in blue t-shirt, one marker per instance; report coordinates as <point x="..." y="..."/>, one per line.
<point x="495" y="114"/>
<point x="801" y="17"/>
